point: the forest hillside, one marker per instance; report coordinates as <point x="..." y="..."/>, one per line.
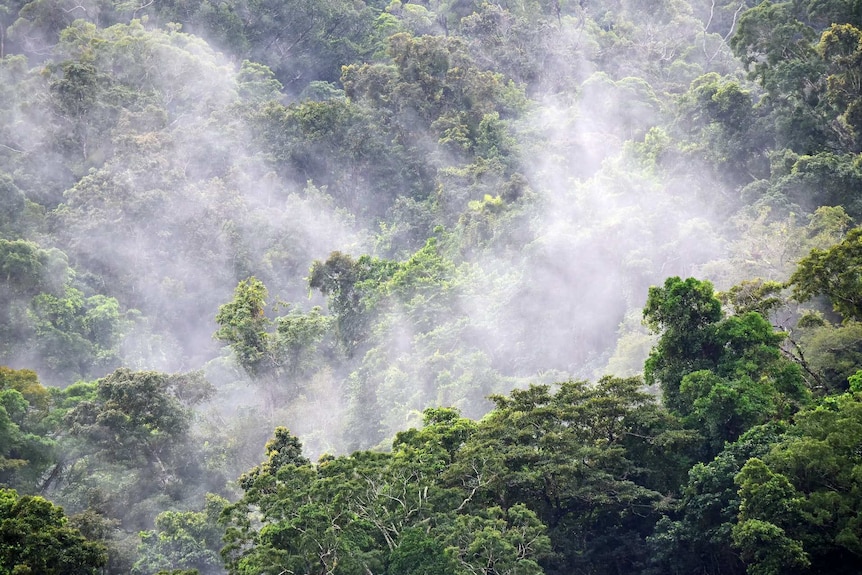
<point x="436" y="287"/>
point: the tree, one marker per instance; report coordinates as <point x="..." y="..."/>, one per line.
<point x="349" y="285"/>
<point x="307" y="522"/>
<point x="841" y="47"/>
<point x="802" y="183"/>
<point x="719" y="117"/>
<point x="12" y="207"/>
<point x="77" y="336"/>
<point x="799" y="501"/>
<point x="420" y="553"/>
<point x="244" y="326"/>
<point x="573" y="458"/>
<point x="765" y="545"/>
<point x="184" y="539"/>
<point x="779" y="51"/>
<point x="133" y="428"/>
<point x="301" y="41"/>
<point x="25" y="451"/>
<point x="833" y="272"/>
<point x="721" y="374"/>
<point x="376" y="512"/>
<point x="35" y="538"/>
<point x="695" y="533"/>
<point x="499" y="543"/>
<point x="26" y="269"/>
<point x="685" y="313"/>
<point x="279" y="359"/>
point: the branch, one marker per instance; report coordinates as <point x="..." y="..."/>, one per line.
<point x="709" y="21"/>
<point x="11" y="149"/>
<point x="800" y="359"/>
<point x="479" y="484"/>
<point x="739" y="9"/>
<point x="733" y="24"/>
<point x="55" y="472"/>
<point x="141" y="7"/>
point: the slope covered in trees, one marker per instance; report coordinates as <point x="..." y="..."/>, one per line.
<point x="443" y="243"/>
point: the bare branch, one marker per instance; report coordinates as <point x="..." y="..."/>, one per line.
<point x="11" y="149"/>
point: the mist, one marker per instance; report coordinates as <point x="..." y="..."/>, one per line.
<point x="332" y="216"/>
<point x="183" y="186"/>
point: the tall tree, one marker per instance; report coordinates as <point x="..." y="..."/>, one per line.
<point x="722" y="374"/>
<point x="35" y="537"/>
<point x="834" y="273"/>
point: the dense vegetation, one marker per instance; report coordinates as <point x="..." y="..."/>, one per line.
<point x="430" y="288"/>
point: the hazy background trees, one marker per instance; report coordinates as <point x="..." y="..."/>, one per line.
<point x="358" y="218"/>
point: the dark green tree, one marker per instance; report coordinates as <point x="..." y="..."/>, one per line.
<point x="570" y="457"/>
<point x="799" y="502"/>
<point x="723" y="375"/>
<point x="25" y="450"/>
<point x="134" y="428"/>
<point x="841" y="47"/>
<point x="685" y="313"/>
<point x="695" y="534"/>
<point x="833" y="272"/>
<point x="184" y="539"/>
<point x="349" y="286"/>
<point x="35" y="538"/>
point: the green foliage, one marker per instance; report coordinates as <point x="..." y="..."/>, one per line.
<point x="719" y="118"/>
<point x="698" y="535"/>
<point x="308" y="523"/>
<point x="767" y="549"/>
<point x="771" y="244"/>
<point x="757" y="296"/>
<point x="256" y="83"/>
<point x="298" y="336"/>
<point x="804" y="493"/>
<point x="420" y="553"/>
<point x="27" y="269"/>
<point x="130" y="445"/>
<point x="184" y="540"/>
<point x="135" y="414"/>
<point x="723" y="409"/>
<point x="723" y="375"/>
<point x="348" y="285"/>
<point x="410" y="320"/>
<point x="560" y="156"/>
<point x="833" y="353"/>
<point x="834" y="273"/>
<point x="572" y="458"/>
<point x="770" y="40"/>
<point x="499" y="543"/>
<point x="279" y="355"/>
<point x="76" y="335"/>
<point x="685" y="313"/>
<point x="812" y="94"/>
<point x="35" y="538"/>
<point x="299" y="40"/>
<point x="26" y="382"/>
<point x="807" y="181"/>
<point x="342" y="147"/>
<point x="368" y="511"/>
<point x="243" y="325"/>
<point x="12" y="212"/>
<point x="434" y="78"/>
<point x="841" y="47"/>
<point x="25" y="452"/>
